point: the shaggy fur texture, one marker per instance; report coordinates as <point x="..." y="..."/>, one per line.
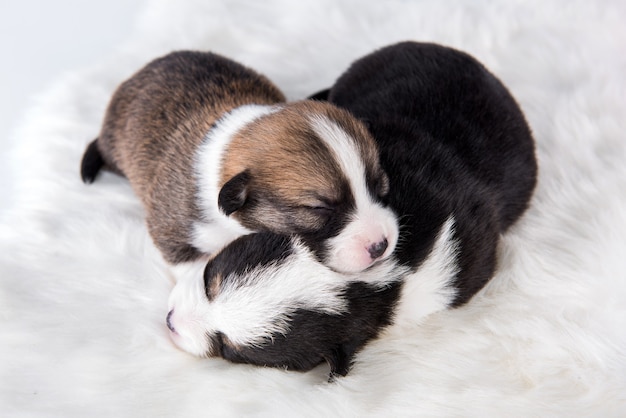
<point x="462" y="168"/>
<point x="212" y="152"/>
<point x="83" y="291"/>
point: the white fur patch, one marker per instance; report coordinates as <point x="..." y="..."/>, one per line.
<point x="254" y="306"/>
<point x="428" y="289"/>
<point x="371" y="222"/>
<point x="220" y="229"/>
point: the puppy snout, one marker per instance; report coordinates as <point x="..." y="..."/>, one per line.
<point x="169" y="322"/>
<point x="378" y="249"/>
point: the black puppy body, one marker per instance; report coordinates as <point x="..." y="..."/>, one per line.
<point x="461" y="167"/>
<point x="454" y="143"/>
<point x="314" y="335"/>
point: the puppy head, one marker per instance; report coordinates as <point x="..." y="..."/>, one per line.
<point x="266" y="300"/>
<point x="311" y="168"/>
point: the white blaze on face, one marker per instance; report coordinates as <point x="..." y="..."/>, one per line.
<point x="252" y="307"/>
<point x="371" y="223"/>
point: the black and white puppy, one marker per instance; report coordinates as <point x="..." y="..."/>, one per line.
<point x="462" y="169"/>
<point x="214" y="152"/>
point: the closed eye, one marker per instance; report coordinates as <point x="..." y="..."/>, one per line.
<point x="322" y="207"/>
<point x="322" y="210"/>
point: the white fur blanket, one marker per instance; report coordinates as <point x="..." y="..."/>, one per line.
<point x="83" y="291"/>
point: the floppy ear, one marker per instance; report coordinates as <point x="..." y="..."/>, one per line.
<point x="234" y="193"/>
<point x="212" y="281"/>
<point x="340" y="360"/>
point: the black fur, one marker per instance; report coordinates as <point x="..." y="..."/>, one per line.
<point x="453" y="142"/>
<point x="91" y="163"/>
<point x="243" y="254"/>
<point x="314" y="337"/>
<point x="320" y="95"/>
<point x="233" y="194"/>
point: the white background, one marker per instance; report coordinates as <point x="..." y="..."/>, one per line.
<point x="40" y="40"/>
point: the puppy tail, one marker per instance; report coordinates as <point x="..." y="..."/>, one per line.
<point x="92" y="163"/>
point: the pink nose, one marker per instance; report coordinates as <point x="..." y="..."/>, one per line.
<point x="378" y="249"/>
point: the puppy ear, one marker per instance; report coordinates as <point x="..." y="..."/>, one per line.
<point x="212" y="281"/>
<point x="320" y="96"/>
<point x="340" y="360"/>
<point x="234" y="193"/>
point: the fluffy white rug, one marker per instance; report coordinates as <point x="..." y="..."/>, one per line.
<point x="83" y="291"/>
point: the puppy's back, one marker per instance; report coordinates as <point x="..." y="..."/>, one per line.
<point x="166" y="108"/>
<point x="153" y="126"/>
<point x="457" y="104"/>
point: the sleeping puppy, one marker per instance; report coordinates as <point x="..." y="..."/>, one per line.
<point x="266" y="300"/>
<point x="460" y="159"/>
<point x="214" y="152"/>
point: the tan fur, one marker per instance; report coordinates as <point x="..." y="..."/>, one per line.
<point x="157" y="119"/>
<point x="155" y="122"/>
<point x="288" y="161"/>
<point x="214" y="287"/>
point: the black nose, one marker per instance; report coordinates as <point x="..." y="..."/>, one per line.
<point x="376" y="250"/>
<point x="167" y="320"/>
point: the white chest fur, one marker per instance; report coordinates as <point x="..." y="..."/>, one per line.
<point x="218" y="229"/>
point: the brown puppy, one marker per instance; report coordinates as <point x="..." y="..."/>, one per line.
<point x="214" y="152"/>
